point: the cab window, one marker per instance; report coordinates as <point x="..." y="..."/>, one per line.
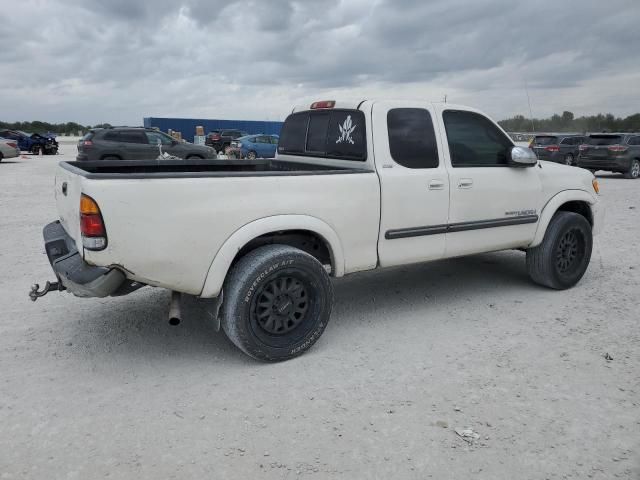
<point x="474" y="141"/>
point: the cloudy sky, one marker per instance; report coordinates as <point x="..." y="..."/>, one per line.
<point x="117" y="61"/>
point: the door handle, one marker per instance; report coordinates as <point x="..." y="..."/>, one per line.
<point x="465" y="183"/>
<point x="436" y="185"/>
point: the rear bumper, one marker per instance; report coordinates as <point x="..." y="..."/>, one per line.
<point x="77" y="276"/>
<point x="621" y="163"/>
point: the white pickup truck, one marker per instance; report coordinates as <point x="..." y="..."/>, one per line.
<point x="355" y="186"/>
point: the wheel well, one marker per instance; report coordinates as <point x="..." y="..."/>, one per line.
<point x="305" y="240"/>
<point x="194" y="156"/>
<point x="110" y="156"/>
<point x="581" y="208"/>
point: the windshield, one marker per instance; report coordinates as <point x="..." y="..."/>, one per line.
<point x="546" y="140"/>
<point x="604" y="139"/>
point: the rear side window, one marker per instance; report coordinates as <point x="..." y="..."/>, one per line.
<point x="634" y="141"/>
<point x="604" y="139"/>
<point x="111" y="136"/>
<point x="412" y="140"/>
<point x="132" y="136"/>
<point x="336" y="134"/>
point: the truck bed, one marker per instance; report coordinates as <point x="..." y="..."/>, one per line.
<point x="137" y="169"/>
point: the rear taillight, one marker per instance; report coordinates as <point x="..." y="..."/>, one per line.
<point x="583" y="148"/>
<point x="12" y="144"/>
<point x="87" y="143"/>
<point x="215" y="136"/>
<point x="617" y="148"/>
<point x="552" y="148"/>
<point x="94" y="234"/>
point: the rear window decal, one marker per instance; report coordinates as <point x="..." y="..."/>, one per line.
<point x="346" y="129"/>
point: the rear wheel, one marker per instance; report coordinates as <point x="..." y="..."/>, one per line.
<point x="111" y="157"/>
<point x="277" y="302"/>
<point x="1" y="156"/>
<point x="194" y="157"/>
<point x="634" y="169"/>
<point x="252" y="155"/>
<point x="561" y="259"/>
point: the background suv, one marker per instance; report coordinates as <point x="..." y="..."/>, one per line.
<point x="615" y="152"/>
<point x="135" y="143"/>
<point x="221" y="139"/>
<point x="559" y="148"/>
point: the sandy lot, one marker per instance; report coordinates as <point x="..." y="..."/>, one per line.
<point x="106" y="388"/>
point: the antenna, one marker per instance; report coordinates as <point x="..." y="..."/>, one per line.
<point x="526" y="89"/>
<point x="445" y="98"/>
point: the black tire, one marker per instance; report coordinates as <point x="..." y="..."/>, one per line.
<point x="1" y="156"/>
<point x="251" y="155"/>
<point x="194" y="157"/>
<point x="265" y="283"/>
<point x="561" y="259"/>
<point x="111" y="157"/>
<point x="634" y="169"/>
<point x="569" y="160"/>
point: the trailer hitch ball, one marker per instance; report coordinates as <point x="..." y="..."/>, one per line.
<point x="35" y="292"/>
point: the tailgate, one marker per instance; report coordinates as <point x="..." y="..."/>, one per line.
<point x="68" y="188"/>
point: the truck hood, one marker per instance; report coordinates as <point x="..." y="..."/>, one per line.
<point x="556" y="177"/>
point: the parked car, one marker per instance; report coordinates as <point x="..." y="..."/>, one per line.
<point x="33" y="142"/>
<point x="356" y="186"/>
<point x="221" y="139"/>
<point x="558" y="147"/>
<point x="8" y="148"/>
<point x="135" y="143"/>
<point x="614" y="152"/>
<point x="254" y="146"/>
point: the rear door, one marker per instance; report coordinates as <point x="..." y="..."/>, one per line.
<point x="135" y="146"/>
<point x="493" y="205"/>
<point x="414" y="183"/>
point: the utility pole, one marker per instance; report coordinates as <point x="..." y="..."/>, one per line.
<point x="526" y="89"/>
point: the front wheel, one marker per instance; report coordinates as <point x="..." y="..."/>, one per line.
<point x="634" y="169"/>
<point x="561" y="259"/>
<point x="252" y="155"/>
<point x="568" y="159"/>
<point x="277" y="302"/>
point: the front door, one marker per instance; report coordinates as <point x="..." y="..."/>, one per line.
<point x="493" y="205"/>
<point x="414" y="184"/>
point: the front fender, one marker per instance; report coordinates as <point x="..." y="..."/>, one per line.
<point x="560" y="199"/>
<point x="224" y="257"/>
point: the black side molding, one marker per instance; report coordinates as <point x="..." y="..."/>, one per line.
<point x="459" y="227"/>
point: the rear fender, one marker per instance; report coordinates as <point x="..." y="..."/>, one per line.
<point x="556" y="202"/>
<point x="241" y="237"/>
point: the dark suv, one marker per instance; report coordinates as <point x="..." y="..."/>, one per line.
<point x="559" y="148"/>
<point x="135" y="143"/>
<point x="221" y="139"/>
<point x="615" y="152"/>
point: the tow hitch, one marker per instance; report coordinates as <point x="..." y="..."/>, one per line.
<point x="36" y="293"/>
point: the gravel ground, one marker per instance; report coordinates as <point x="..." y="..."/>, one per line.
<point x="105" y="387"/>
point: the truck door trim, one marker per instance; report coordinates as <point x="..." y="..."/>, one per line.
<point x="459" y="227"/>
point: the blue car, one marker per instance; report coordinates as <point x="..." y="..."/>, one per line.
<point x="254" y="146"/>
<point x="33" y="142"/>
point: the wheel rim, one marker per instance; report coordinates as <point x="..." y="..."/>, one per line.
<point x="281" y="305"/>
<point x="251" y="156"/>
<point x="568" y="159"/>
<point x="570" y="251"/>
<point x="635" y="169"/>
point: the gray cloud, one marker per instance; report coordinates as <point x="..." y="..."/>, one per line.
<point x="120" y="60"/>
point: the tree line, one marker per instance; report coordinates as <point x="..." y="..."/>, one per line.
<point x="567" y="122"/>
<point x="69" y="128"/>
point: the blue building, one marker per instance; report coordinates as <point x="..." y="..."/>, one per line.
<point x="187" y="126"/>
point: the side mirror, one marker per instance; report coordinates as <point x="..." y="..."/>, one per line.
<point x="522" y="157"/>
